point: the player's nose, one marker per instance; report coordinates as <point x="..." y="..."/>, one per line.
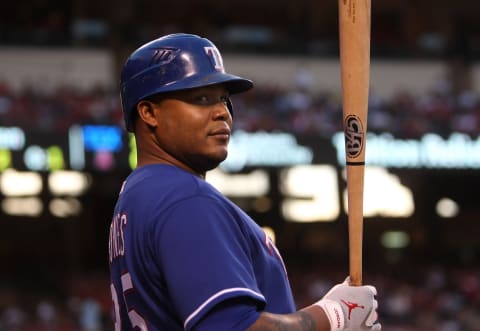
<point x="220" y="111"/>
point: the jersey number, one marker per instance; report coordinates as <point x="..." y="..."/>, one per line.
<point x="138" y="322"/>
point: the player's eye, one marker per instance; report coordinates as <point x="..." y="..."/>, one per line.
<point x="207" y="99"/>
<point x="203" y="99"/>
<point x="200" y="99"/>
<point x="224" y="99"/>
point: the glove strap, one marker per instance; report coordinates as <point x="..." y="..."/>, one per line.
<point x="334" y="312"/>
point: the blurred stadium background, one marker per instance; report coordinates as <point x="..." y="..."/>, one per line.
<point x="64" y="154"/>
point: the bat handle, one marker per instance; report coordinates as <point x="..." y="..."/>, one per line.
<point x="355" y="174"/>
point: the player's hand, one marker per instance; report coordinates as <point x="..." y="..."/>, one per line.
<point x="351" y="308"/>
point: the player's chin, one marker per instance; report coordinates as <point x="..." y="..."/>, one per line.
<point x="215" y="158"/>
<point x="220" y="154"/>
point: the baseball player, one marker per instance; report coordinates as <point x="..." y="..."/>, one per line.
<point x="182" y="256"/>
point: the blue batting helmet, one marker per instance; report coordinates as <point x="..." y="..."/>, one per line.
<point x="171" y="63"/>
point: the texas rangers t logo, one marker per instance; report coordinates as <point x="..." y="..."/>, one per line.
<point x="215" y="57"/>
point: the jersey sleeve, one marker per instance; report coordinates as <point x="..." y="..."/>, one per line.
<point x="206" y="260"/>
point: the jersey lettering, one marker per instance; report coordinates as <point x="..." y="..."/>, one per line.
<point x="116" y="308"/>
<point x="116" y="245"/>
<point x="137" y="321"/>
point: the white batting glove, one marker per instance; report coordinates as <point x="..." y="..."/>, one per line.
<point x="351" y="308"/>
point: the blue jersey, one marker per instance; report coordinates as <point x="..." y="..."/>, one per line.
<point x="183" y="257"/>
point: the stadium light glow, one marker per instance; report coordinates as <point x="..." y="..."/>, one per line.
<point x="65" y="207"/>
<point x="71" y="183"/>
<point x="312" y="193"/>
<point x="20" y="183"/>
<point x="447" y="208"/>
<point x="253" y="184"/>
<point x="22" y="206"/>
<point x="384" y="195"/>
<point x="395" y="239"/>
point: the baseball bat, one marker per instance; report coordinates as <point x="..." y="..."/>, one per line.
<point x="354" y="33"/>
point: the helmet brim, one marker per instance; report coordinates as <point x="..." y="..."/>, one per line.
<point x="234" y="84"/>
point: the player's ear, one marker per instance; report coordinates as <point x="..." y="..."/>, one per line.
<point x="146" y="113"/>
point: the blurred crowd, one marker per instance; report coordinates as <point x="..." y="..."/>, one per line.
<point x="300" y="110"/>
<point x="81" y="302"/>
<point x="425" y="298"/>
<point x="56" y="110"/>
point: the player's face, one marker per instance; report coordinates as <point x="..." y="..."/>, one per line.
<point x="194" y="126"/>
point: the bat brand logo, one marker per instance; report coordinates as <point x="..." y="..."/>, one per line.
<point x="354" y="136"/>
<point x="351" y="306"/>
